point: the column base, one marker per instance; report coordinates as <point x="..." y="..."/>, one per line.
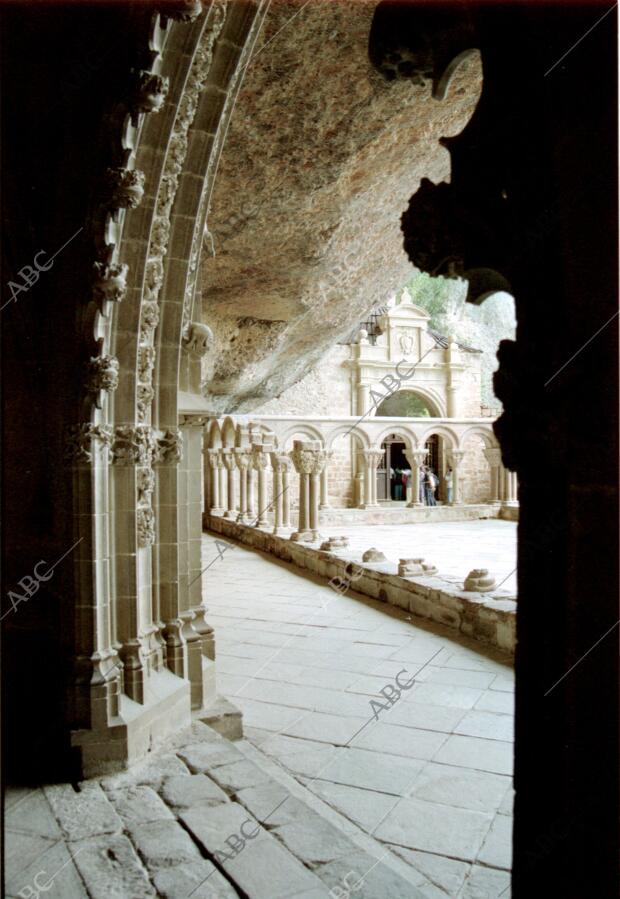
<point x="324" y="506"/>
<point x="414" y="505"/>
<point x="231" y="515"/>
<point x="245" y="518"/>
<point x="302" y="537"/>
<point x="281" y="531"/>
<point x="216" y="511"/>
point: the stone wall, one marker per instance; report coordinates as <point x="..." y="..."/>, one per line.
<point x="475" y="473"/>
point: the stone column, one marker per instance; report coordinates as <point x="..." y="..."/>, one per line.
<point x="228" y="458"/>
<point x="415" y="460"/>
<point x="369" y="473"/>
<point x="260" y="461"/>
<point x="309" y="461"/>
<point x="324" y="485"/>
<point x="510" y="488"/>
<point x="221" y="471"/>
<point x="243" y="458"/>
<point x="281" y="464"/>
<point x="493" y="456"/>
<point x="455" y="457"/>
<point x="214" y="490"/>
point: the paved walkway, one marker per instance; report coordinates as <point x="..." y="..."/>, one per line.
<point x="455" y="547"/>
<point x="429" y="774"/>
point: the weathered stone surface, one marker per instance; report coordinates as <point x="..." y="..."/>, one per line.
<point x="200" y="880"/>
<point x="163" y="844"/>
<point x="203" y="757"/>
<point x="305" y="227"/>
<point x="238" y="775"/>
<point x="52" y="868"/>
<point x="31" y="813"/>
<point x="372" y="878"/>
<point x="263" y="868"/>
<point x="314" y="840"/>
<point x="183" y="792"/>
<point x="83" y="814"/>
<point x="140" y="805"/>
<point x="373" y="555"/>
<point x="272" y="804"/>
<point x="111" y="868"/>
<point x="149" y="774"/>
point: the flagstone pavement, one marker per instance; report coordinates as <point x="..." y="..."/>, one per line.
<point x="426" y="770"/>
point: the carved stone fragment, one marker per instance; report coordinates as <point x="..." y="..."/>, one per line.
<point x="126" y="187"/>
<point x="146" y="527"/>
<point x="102" y="373"/>
<point x="133" y="445"/>
<point x="373" y="555"/>
<point x="151" y="91"/>
<point x="479" y="581"/>
<point x="170" y="447"/>
<point x="110" y="281"/>
<point x="80" y="441"/>
<point x="198" y="339"/>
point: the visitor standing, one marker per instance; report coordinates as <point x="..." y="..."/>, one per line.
<point x="449" y="482"/>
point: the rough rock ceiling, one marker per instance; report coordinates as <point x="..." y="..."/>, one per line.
<point x="321" y="158"/>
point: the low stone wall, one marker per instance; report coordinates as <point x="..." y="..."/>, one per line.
<point x="488" y="617"/>
<point x="509" y="513"/>
<point x="391" y="514"/>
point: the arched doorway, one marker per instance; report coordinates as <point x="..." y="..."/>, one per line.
<point x="390" y="486"/>
<point x="407" y="404"/>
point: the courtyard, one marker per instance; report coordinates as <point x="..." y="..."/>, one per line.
<point x="430" y="777"/>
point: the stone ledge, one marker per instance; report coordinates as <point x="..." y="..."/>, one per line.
<point x="487" y="617"/>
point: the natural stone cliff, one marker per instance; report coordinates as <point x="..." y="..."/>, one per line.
<point x="321" y="158"/>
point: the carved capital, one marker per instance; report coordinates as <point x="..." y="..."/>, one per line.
<point x="133" y="445"/>
<point x="82" y="439"/>
<point x="170" y="447"/>
<point x="493" y="456"/>
<point x="280" y="462"/>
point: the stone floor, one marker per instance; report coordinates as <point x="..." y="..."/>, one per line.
<point x="328" y="796"/>
<point x="429" y="777"/>
<point x="455" y="547"/>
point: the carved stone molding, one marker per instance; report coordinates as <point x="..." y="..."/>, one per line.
<point x="145" y="394"/>
<point x="169" y="447"/>
<point x="82" y="439"/>
<point x="110" y="281"/>
<point x="146" y="527"/>
<point x="198" y="339"/>
<point x="479" y="581"/>
<point x="126" y="187"/>
<point x="151" y="91"/>
<point x="133" y="445"/>
<point x="102" y="373"/>
<point x="145" y="483"/>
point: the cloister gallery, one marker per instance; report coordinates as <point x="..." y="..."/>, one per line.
<point x="310" y="449"/>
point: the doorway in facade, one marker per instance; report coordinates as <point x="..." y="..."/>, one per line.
<point x="436" y="460"/>
<point x="390" y="484"/>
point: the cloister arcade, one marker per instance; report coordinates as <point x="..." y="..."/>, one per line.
<point x="239" y="451"/>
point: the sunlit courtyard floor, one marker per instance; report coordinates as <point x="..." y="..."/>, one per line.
<point x="428" y="777"/>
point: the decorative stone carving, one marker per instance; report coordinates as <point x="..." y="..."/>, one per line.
<point x="80" y="439"/>
<point x="411" y="567"/>
<point x="145" y="483"/>
<point x="198" y="339"/>
<point x="146" y="527"/>
<point x="160" y="235"/>
<point x="405" y="342"/>
<point x="149" y="319"/>
<point x="133" y="445"/>
<point x="182" y="10"/>
<point x="126" y="187"/>
<point x="153" y="278"/>
<point x="102" y="373"/>
<point x="170" y="447"/>
<point x="260" y="460"/>
<point x="110" y="281"/>
<point x="146" y="361"/>
<point x="145" y="395"/>
<point x="373" y="555"/>
<point x="335" y="543"/>
<point x="151" y="91"/>
<point x="479" y="581"/>
<point x="303" y="459"/>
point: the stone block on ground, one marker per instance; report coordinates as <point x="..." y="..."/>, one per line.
<point x="184" y="792"/>
<point x="263" y="868"/>
<point x="200" y="880"/>
<point x="201" y="758"/>
<point x="140" y="805"/>
<point x="163" y="844"/>
<point x="372" y="878"/>
<point x="148" y="774"/>
<point x="53" y="868"/>
<point x="83" y="814"/>
<point x="111" y="869"/>
<point x="239" y="775"/>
